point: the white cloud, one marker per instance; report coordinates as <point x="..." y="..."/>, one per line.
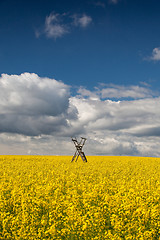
<point x="155" y="54"/>
<point x="111" y="91"/>
<point x="82" y="21"/>
<point x="93" y="95"/>
<point x="38" y="116"/>
<point x="113" y="1"/>
<point x="116" y="116"/>
<point x="100" y="4"/>
<point x="115" y="128"/>
<point x="57" y="25"/>
<point x="31" y="105"/>
<point x="54" y="27"/>
<point x="126" y="92"/>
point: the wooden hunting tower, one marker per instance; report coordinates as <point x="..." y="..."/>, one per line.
<point x="78" y="152"/>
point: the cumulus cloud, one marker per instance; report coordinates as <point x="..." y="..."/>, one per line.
<point x="115" y="127"/>
<point x="113" y="1"/>
<point x="54" y="27"/>
<point x="126" y="92"/>
<point x="118" y="92"/>
<point x="116" y="116"/>
<point x="82" y="21"/>
<point x="38" y="115"/>
<point x="32" y="105"/>
<point x="100" y="4"/>
<point x="57" y="25"/>
<point x="155" y="55"/>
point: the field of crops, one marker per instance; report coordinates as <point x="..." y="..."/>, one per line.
<point x="105" y="198"/>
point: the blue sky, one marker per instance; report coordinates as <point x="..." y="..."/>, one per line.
<point x="95" y="53"/>
<point x="110" y="49"/>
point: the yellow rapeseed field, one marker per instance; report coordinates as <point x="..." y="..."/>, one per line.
<point x="45" y="197"/>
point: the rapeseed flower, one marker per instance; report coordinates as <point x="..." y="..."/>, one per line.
<point x="52" y="198"/>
